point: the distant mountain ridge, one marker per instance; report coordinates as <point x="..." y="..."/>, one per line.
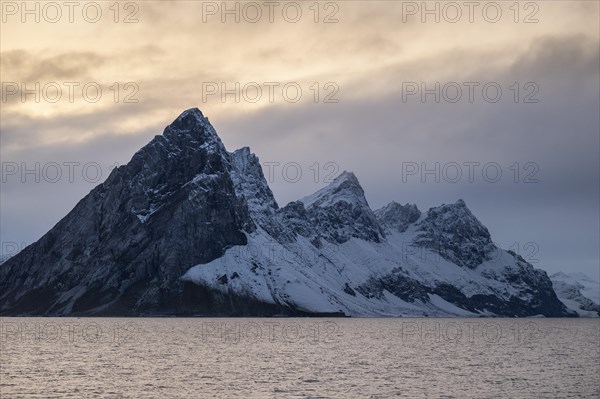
<point x="578" y="291"/>
<point x="188" y="228"/>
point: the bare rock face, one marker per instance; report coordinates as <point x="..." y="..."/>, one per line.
<point x="456" y="234"/>
<point x="123" y="247"/>
<point x="396" y="217"/>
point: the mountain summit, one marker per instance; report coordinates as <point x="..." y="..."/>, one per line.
<point x="123" y="248"/>
<point x="188" y="228"/>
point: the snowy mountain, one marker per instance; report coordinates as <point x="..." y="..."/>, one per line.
<point x="579" y="292"/>
<point x="188" y="228"/>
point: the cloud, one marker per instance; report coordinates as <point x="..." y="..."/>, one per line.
<point x="23" y="66"/>
<point x="369" y="53"/>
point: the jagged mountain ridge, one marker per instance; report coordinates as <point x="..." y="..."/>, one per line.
<point x="187" y="228"/>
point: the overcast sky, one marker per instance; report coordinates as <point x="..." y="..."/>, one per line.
<point x="525" y="162"/>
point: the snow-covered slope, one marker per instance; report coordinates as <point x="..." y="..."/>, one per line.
<point x="579" y="292"/>
<point x="330" y="253"/>
<point x="391" y="277"/>
<point x="188" y="228"/>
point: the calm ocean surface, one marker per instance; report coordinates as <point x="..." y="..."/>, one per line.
<point x="299" y="358"/>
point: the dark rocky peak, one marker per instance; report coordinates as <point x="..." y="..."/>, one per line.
<point x="174" y="205"/>
<point x="454" y="232"/>
<point x="189" y="119"/>
<point x="192" y="128"/>
<point x="340" y="211"/>
<point x="190" y="141"/>
<point x="188" y="158"/>
<point x="457" y="212"/>
<point x="395" y="216"/>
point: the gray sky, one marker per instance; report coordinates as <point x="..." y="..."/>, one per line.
<point x="545" y="203"/>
